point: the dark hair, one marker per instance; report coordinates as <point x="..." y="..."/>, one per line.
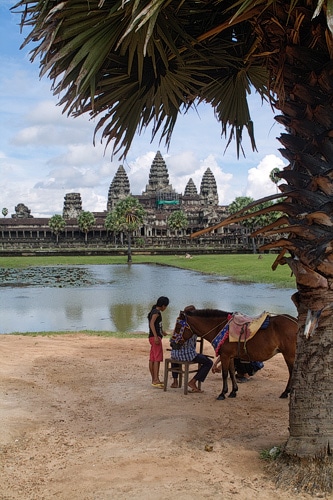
<point x="162" y="301"/>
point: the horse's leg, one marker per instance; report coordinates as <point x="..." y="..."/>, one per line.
<point x="233" y="393"/>
<point x="290" y="365"/>
<point x="225" y="370"/>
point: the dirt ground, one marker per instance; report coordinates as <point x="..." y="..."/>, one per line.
<point x="81" y="421"/>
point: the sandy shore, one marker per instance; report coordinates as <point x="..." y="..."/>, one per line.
<point x="81" y="421"/>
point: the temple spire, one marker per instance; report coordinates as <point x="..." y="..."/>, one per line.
<point x="208" y="188"/>
<point x="119" y="188"/>
<point x="72" y="206"/>
<point x="158" y="176"/>
<point x="190" y="189"/>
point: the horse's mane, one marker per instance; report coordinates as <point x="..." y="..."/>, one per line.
<point x="206" y="313"/>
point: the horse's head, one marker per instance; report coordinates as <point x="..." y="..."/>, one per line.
<point x="205" y="323"/>
<point x="182" y="330"/>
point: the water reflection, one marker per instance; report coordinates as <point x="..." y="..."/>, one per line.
<point x="126" y="317"/>
<point x="73" y="311"/>
<point x="118" y="297"/>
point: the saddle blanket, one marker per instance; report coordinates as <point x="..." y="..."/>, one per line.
<point x="243" y="327"/>
<point x="220" y="338"/>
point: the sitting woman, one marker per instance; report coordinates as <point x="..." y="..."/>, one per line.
<point x="188" y="353"/>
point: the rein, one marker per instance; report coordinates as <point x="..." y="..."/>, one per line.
<point x="178" y="340"/>
<point x="223" y="323"/>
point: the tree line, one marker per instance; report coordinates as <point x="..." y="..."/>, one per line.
<point x="128" y="215"/>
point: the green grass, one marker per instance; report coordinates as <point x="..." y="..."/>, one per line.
<point x="271" y="454"/>
<point x="239" y="267"/>
<point x="21" y="262"/>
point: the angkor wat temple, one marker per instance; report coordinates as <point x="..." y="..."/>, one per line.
<point x="159" y="199"/>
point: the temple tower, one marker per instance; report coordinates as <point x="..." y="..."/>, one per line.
<point x="22" y="212"/>
<point x="158" y="176"/>
<point x="208" y="188"/>
<point x="191" y="196"/>
<point x="72" y="206"/>
<point x="119" y="188"/>
<point x="190" y="189"/>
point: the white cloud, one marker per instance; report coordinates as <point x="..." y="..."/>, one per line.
<point x="46" y="126"/>
<point x="44" y="154"/>
<point x="138" y="171"/>
<point x="258" y="182"/>
<point x="79" y="170"/>
<point x="79" y="155"/>
<point x="47" y="112"/>
<point x="186" y="165"/>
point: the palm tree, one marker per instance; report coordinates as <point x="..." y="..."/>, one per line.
<point x="178" y="220"/>
<point x="238" y="204"/>
<point x="112" y="223"/>
<point x="4" y="212"/>
<point x="57" y="224"/>
<point x="134" y="64"/>
<point x="275" y="177"/>
<point x="86" y="222"/>
<point x="264" y="218"/>
<point x="129" y="214"/>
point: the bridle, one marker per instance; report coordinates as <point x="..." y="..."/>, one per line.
<point x="179" y="337"/>
<point x="185" y="325"/>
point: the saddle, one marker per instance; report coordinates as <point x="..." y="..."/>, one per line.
<point x="243" y="327"/>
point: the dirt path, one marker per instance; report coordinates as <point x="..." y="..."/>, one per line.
<point x="80" y="421"/>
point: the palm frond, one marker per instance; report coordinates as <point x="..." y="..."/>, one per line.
<point x="134" y="64"/>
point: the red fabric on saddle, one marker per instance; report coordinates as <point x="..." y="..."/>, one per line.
<point x="220" y="338"/>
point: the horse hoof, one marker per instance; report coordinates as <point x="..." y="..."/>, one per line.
<point x="221" y="397"/>
<point x="284" y="395"/>
<point x="232" y="394"/>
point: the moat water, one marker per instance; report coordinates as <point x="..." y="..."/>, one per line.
<point x="118" y="297"/>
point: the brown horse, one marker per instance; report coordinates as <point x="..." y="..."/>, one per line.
<point x="278" y="337"/>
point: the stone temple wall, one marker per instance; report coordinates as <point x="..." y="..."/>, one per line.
<point x="159" y="200"/>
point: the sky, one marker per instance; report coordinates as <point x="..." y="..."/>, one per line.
<point x="45" y="154"/>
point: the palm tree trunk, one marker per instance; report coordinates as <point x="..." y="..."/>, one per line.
<point x="311" y="401"/>
<point x="129" y="250"/>
<point x="307" y="114"/>
<point x="301" y="69"/>
<point x="254" y="248"/>
<point x="311" y="427"/>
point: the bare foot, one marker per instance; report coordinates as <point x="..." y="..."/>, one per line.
<point x="196" y="390"/>
<point x="192" y="385"/>
<point x="174" y="385"/>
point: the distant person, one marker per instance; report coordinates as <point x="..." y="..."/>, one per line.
<point x="188" y="353"/>
<point x="243" y="370"/>
<point x="156" y="334"/>
<point x="246" y="370"/>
